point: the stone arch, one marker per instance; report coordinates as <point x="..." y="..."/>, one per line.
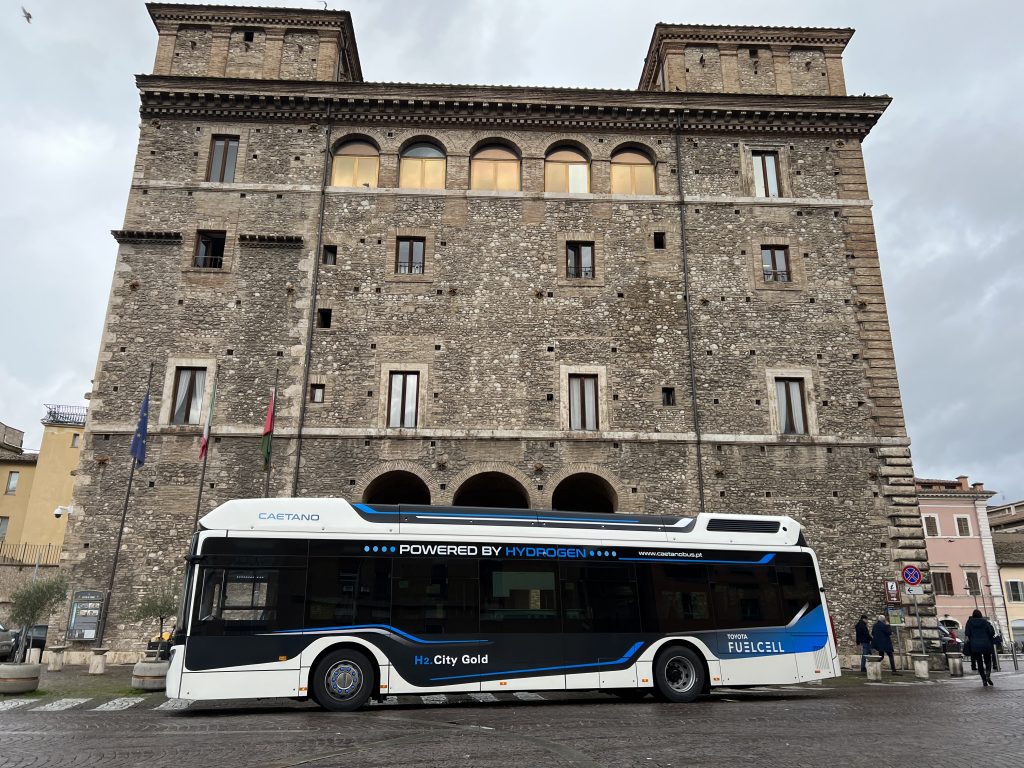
<point x="584" y="492"/>
<point x="622" y="499"/>
<point x="405" y="472"/>
<point x="514" y="485"/>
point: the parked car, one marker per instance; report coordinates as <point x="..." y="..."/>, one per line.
<point x="946" y="643"/>
<point x="6" y="643"/>
<point x="36" y="637"/>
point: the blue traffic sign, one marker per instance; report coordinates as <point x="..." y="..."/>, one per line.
<point x="912" y="575"/>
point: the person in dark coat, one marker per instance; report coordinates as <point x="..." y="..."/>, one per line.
<point x="881" y="639"/>
<point x="863" y="640"/>
<point x="979" y="634"/>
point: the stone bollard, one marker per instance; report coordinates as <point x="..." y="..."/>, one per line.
<point x="34" y="655"/>
<point x="56" y="661"/>
<point x="955" y="661"/>
<point x="98" y="662"/>
<point x="874" y="667"/>
<point x="920" y="665"/>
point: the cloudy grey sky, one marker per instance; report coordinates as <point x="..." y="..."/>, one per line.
<point x="945" y="170"/>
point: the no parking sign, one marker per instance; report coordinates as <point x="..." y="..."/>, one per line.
<point x="912" y="575"/>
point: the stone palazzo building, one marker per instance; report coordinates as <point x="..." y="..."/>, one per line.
<point x="660" y="300"/>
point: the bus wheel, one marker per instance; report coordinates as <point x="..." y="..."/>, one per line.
<point x="679" y="674"/>
<point x="343" y="680"/>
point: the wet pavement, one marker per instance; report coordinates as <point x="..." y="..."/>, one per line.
<point x="83" y="721"/>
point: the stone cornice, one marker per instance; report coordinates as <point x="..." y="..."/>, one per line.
<point x="451" y="105"/>
<point x="145" y="235"/>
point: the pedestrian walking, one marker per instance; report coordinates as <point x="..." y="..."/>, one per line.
<point x="881" y="640"/>
<point x="863" y="640"/>
<point x="980" y="634"/>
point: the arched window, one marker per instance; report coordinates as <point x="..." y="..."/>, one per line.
<point x="356" y="164"/>
<point x="632" y="173"/>
<point x="422" y="167"/>
<point x="566" y="170"/>
<point x="494" y="168"/>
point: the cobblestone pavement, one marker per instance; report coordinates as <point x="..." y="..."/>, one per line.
<point x="846" y="722"/>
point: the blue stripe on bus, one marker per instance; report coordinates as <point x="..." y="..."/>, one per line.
<point x="697" y="561"/>
<point x="625" y="657"/>
<point x="314" y="630"/>
<point x="371" y="511"/>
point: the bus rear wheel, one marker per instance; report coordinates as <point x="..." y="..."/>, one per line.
<point x="679" y="674"/>
<point x="343" y="680"/>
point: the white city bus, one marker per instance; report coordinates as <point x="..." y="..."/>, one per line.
<point x="342" y="603"/>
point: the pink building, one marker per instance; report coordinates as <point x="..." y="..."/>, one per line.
<point x="961" y="557"/>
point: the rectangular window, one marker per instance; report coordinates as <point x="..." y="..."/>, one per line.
<point x="1014" y="589"/>
<point x="518" y="596"/>
<point x="245" y="601"/>
<point x="316" y="393"/>
<point x="409" y="255"/>
<point x="931" y="525"/>
<point x="583" y="402"/>
<point x="435" y="596"/>
<point x="402" y="398"/>
<point x="599" y="598"/>
<point x="668" y="395"/>
<point x="675" y="598"/>
<point x="579" y="260"/>
<point x="3" y="527"/>
<point x="942" y="583"/>
<point x="792" y="407"/>
<point x="347" y="591"/>
<point x="223" y="154"/>
<point x="659" y="241"/>
<point x="746" y="596"/>
<point x="189" y="384"/>
<point x="963" y="526"/>
<point x="766" y="174"/>
<point x="74" y="440"/>
<point x="330" y="255"/>
<point x="775" y="263"/>
<point x="973" y="581"/>
<point x="323" y="318"/>
<point x="210" y="250"/>
<point x="12" y="483"/>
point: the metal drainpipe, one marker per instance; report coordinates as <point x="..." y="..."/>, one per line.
<point x="687" y="302"/>
<point x="312" y="299"/>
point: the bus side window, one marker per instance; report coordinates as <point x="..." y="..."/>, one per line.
<point x="518" y="596"/>
<point x="209" y="604"/>
<point x="674" y="597"/>
<point x="599" y="598"/>
<point x="746" y="596"/>
<point x="799" y="587"/>
<point x="241" y="601"/>
<point x="435" y="596"/>
<point x="345" y="591"/>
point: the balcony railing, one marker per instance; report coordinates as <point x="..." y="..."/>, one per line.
<point x="406" y="268"/>
<point x="776" y="276"/>
<point x="72" y="415"/>
<point x="24" y="555"/>
<point x="576" y="271"/>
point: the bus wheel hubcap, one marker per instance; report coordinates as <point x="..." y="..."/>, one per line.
<point x="344" y="679"/>
<point x="680" y="674"/>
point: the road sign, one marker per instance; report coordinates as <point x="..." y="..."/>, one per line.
<point x="897" y="617"/>
<point x="918" y="590"/>
<point x="912" y="575"/>
<point x="892" y="592"/>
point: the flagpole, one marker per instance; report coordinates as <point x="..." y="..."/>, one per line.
<point x="270" y="447"/>
<point x="120" y="533"/>
<point x="206" y="453"/>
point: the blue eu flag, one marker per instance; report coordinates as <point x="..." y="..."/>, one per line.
<point x="139" y="440"/>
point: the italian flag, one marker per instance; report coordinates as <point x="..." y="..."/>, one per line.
<point x="268" y="430"/>
<point x="204" y="443"/>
